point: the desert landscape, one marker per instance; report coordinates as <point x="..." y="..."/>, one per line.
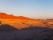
<point x="26" y="19"/>
<point x="22" y="22"/>
<point x="23" y="28"/>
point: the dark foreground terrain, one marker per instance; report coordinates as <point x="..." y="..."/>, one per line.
<point x="8" y="32"/>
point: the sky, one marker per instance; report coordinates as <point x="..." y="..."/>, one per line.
<point x="29" y="8"/>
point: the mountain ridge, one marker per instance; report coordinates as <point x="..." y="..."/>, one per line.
<point x="6" y="16"/>
<point x="11" y="16"/>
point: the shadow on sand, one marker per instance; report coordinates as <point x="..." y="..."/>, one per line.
<point x="8" y="32"/>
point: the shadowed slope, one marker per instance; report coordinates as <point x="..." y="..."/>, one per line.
<point x="8" y="32"/>
<point x="6" y="28"/>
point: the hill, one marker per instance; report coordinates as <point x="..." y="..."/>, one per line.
<point x="6" y="16"/>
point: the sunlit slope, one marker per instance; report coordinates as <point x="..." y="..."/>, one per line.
<point x="22" y="22"/>
<point x="10" y="16"/>
<point x="25" y="23"/>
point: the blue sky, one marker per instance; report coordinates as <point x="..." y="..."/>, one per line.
<point x="29" y="8"/>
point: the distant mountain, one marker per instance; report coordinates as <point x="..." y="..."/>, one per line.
<point x="6" y="16"/>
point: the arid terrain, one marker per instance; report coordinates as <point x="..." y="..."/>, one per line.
<point x="8" y="32"/>
<point x="22" y="22"/>
<point x="26" y="23"/>
<point x="23" y="28"/>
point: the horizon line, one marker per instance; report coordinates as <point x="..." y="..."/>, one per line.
<point x="25" y="16"/>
